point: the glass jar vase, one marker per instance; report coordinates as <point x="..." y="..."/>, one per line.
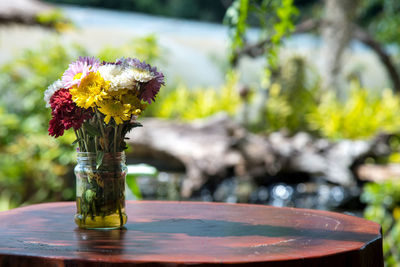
<point x="100" y="190"/>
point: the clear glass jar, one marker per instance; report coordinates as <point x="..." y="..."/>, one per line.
<point x="100" y="191"/>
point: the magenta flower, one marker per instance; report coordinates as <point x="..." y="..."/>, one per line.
<point x="78" y="69"/>
<point x="150" y="89"/>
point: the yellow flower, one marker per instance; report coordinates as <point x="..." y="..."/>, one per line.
<point x="396" y="213"/>
<point x="92" y="89"/>
<point x="136" y="106"/>
<point x="112" y="93"/>
<point x="115" y="109"/>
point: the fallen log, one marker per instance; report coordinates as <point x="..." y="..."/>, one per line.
<point x="378" y="173"/>
<point x="22" y="11"/>
<point x="219" y="147"/>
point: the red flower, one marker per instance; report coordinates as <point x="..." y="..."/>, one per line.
<point x="65" y="113"/>
<point x="56" y="128"/>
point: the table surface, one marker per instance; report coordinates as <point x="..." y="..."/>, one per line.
<point x="190" y="233"/>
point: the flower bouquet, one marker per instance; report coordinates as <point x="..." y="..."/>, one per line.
<point x="101" y="102"/>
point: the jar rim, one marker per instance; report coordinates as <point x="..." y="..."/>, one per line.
<point x="79" y="153"/>
<point x="92" y="156"/>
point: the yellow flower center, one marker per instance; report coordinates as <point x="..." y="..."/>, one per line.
<point x="77" y="76"/>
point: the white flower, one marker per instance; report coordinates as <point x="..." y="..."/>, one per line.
<point x="139" y="71"/>
<point x="117" y="77"/>
<point x="123" y="76"/>
<point x="141" y="75"/>
<point x="109" y="71"/>
<point x="54" y="87"/>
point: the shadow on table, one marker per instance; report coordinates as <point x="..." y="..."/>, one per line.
<point x="164" y="237"/>
<point x="220" y="228"/>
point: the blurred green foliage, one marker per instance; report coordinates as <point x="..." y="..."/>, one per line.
<point x="383" y="207"/>
<point x="146" y="48"/>
<point x="275" y="18"/>
<point x="32" y="164"/>
<point x="296" y="103"/>
<point x="54" y="18"/>
<point x="362" y="115"/>
<point x="276" y="22"/>
<point x="291" y="98"/>
<point x="236" y="19"/>
<point x="134" y="173"/>
<point x="184" y="103"/>
<point x="381" y="19"/>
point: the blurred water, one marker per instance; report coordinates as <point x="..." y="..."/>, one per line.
<point x="201" y="47"/>
<point x="194" y="52"/>
<point x="142" y="23"/>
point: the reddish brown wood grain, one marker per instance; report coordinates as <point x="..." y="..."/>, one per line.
<point x="190" y="233"/>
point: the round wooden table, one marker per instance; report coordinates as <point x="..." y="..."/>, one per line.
<point x="190" y="233"/>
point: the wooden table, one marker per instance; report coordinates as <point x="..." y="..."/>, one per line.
<point x="190" y="233"/>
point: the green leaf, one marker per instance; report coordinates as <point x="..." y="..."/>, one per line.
<point x="99" y="158"/>
<point x="90" y="195"/>
<point x="91" y="130"/>
<point x="136" y="124"/>
<point x="132" y="125"/>
<point x="135" y="171"/>
<point x="76" y="141"/>
<point x="133" y="185"/>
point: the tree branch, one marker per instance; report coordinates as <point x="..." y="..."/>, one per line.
<point x="257" y="49"/>
<point x="364" y="37"/>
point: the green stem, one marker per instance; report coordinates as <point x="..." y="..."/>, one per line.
<point x="121" y="220"/>
<point x="102" y="130"/>
<point x="115" y="140"/>
<point x="76" y="134"/>
<point x="116" y="180"/>
<point x="77" y="137"/>
<point x="119" y="134"/>
<point x="81" y="143"/>
<point x="87" y="139"/>
<point x="84" y="138"/>
<point x="95" y="144"/>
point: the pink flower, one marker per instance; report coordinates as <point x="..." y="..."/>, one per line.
<point x="78" y="69"/>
